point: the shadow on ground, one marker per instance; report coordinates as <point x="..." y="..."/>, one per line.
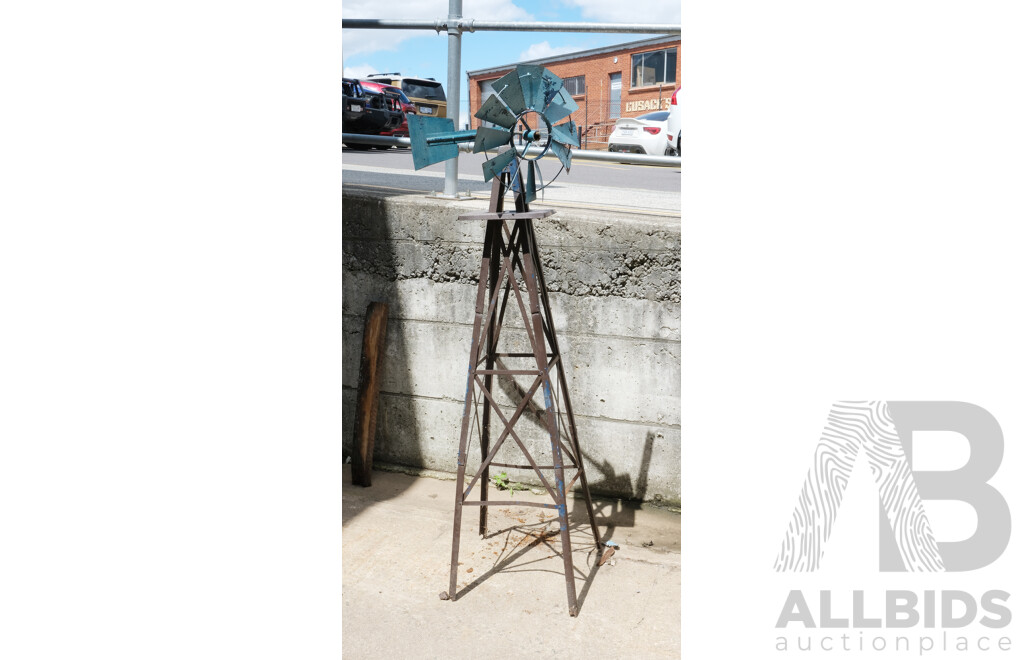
<point x="521" y="547"/>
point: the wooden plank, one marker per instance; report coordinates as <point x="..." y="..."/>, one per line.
<point x="371" y="364"/>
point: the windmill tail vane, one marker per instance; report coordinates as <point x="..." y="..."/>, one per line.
<point x="527" y="94"/>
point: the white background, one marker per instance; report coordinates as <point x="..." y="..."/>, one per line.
<point x="852" y="213"/>
<point x="170" y="265"/>
<point x="170" y="330"/>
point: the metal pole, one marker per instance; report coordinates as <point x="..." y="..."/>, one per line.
<point x="451" y="167"/>
<point x="577" y="154"/>
<point x="472" y="25"/>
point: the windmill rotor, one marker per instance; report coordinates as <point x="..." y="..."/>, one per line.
<point x="527" y="93"/>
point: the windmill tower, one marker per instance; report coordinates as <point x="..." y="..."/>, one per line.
<point x="527" y="106"/>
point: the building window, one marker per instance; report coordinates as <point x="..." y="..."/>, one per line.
<point x="615" y="98"/>
<point x="653" y="68"/>
<point x="575" y="85"/>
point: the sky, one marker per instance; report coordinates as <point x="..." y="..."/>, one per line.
<point x="424" y="53"/>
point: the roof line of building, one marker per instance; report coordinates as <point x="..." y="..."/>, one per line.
<point x="578" y="54"/>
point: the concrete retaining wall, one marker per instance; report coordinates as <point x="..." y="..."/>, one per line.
<point x="614" y="288"/>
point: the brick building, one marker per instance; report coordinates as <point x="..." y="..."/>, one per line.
<point x="624" y="80"/>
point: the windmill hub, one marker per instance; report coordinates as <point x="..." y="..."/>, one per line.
<point x="530" y="136"/>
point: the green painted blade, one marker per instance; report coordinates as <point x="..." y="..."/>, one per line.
<point x="510" y="90"/>
<point x="530" y="193"/>
<point x="422" y="127"/>
<point x="489" y="138"/>
<point x="515" y="180"/>
<point x="493" y="111"/>
<point x="567" y="134"/>
<point x="560" y="107"/>
<point x="495" y="165"/>
<point x="531" y="81"/>
<point x="552" y="85"/>
<point x="562" y="153"/>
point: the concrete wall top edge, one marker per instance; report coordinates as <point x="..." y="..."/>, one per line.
<point x="452" y="210"/>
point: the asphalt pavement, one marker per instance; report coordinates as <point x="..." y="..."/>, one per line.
<point x="616" y="187"/>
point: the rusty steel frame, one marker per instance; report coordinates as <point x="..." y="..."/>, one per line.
<point x="505" y="251"/>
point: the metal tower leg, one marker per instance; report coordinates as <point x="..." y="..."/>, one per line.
<point x="530" y="271"/>
<point x="497" y="202"/>
<point x="474" y="358"/>
<point x="564" y="388"/>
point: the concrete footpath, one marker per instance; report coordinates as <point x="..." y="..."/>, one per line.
<point x="511" y="602"/>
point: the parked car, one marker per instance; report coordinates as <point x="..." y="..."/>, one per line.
<point x="353" y="106"/>
<point x="674" y="127"/>
<point x="425" y="93"/>
<point x="641" y="135"/>
<point x="368" y="112"/>
<point x="403" y="103"/>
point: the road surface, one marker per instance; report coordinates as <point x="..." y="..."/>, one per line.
<point x="590" y="185"/>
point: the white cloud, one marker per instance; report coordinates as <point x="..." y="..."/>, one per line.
<point x="544" y="49"/>
<point x="634" y="11"/>
<point x="492" y="10"/>
<point x="354" y="42"/>
<point x="360" y="42"/>
<point x="360" y="70"/>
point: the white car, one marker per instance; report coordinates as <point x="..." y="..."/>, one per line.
<point x="641" y="135"/>
<point x="675" y="123"/>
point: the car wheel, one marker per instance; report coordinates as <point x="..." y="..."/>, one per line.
<point x="357" y="146"/>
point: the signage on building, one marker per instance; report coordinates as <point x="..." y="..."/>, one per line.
<point x="650" y="104"/>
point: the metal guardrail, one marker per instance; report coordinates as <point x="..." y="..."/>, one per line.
<point x="473" y="25"/>
<point x="577" y="154"/>
<point x="454" y="25"/>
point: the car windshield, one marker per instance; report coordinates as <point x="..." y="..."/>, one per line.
<point x="423" y="89"/>
<point x="655" y="116"/>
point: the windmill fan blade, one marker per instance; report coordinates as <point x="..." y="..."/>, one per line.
<point x="552" y="85"/>
<point x="567" y="134"/>
<point x="515" y="175"/>
<point x="510" y="90"/>
<point x="495" y="165"/>
<point x="488" y="138"/>
<point x="560" y="107"/>
<point x="530" y="192"/>
<point x="531" y="81"/>
<point x="562" y="153"/>
<point x="493" y="111"/>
